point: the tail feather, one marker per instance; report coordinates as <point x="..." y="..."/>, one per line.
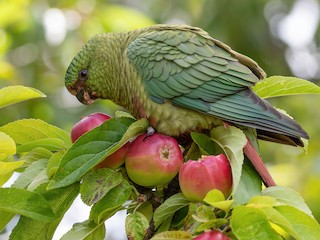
<point x="279" y="138"/>
<point x="258" y="164"/>
<point x="247" y="109"/>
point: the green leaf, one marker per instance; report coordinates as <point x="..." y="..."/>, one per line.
<point x="214" y="196"/>
<point x="52" y="144"/>
<point x="173" y="235"/>
<point x="146" y="209"/>
<point x="28" y="130"/>
<point x="96" y="184"/>
<point x="287" y="196"/>
<point x="168" y="208"/>
<point x="26" y="203"/>
<point x="231" y="140"/>
<point x="305" y="226"/>
<point x="111" y="202"/>
<point x="35" y="155"/>
<point x="165" y="225"/>
<point x="7" y="169"/>
<point x="60" y="201"/>
<point x="251" y="223"/>
<point x="120" y="114"/>
<point x="14" y="94"/>
<point x="93" y="147"/>
<point x="179" y="217"/>
<point x="214" y="223"/>
<point x="262" y="201"/>
<point x="7" y="146"/>
<point x="30" y="174"/>
<point x="41" y="178"/>
<point x="276" y="218"/>
<point x="136" y="225"/>
<point x="250" y="184"/>
<point x="193" y="152"/>
<point x="53" y="162"/>
<point x="205" y="144"/>
<point x="216" y="199"/>
<point x="86" y="230"/>
<point x="5" y="218"/>
<point x="276" y="86"/>
<point x="204" y="213"/>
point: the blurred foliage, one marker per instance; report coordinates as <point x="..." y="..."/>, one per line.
<point x="39" y="38"/>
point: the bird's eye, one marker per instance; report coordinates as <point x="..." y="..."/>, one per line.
<point x="83" y="75"/>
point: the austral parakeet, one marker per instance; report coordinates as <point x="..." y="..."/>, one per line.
<point x="181" y="80"/>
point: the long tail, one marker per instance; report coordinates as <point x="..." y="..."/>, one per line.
<point x="258" y="164"/>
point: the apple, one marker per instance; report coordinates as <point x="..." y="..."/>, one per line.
<point x="87" y="123"/>
<point x="90" y="122"/>
<point x="212" y="235"/>
<point x="153" y="160"/>
<point x="197" y="178"/>
<point x="116" y="159"/>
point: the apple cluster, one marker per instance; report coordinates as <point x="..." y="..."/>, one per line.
<point x="156" y="159"/>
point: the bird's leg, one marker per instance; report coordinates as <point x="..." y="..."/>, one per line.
<point x="258" y="164"/>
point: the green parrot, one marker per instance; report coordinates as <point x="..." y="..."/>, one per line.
<point x="181" y="80"/>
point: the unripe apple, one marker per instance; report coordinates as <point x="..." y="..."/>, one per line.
<point x="212" y="235"/>
<point x="87" y="123"/>
<point x="197" y="178"/>
<point x="90" y="122"/>
<point x="153" y="160"/>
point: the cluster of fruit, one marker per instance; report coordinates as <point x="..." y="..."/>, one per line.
<point x="156" y="159"/>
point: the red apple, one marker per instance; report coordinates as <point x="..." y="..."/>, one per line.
<point x="153" y="160"/>
<point x="87" y="123"/>
<point x="94" y="120"/>
<point x="116" y="159"/>
<point x="197" y="178"/>
<point x="212" y="235"/>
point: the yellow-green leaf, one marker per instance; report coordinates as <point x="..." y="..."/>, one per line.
<point x="26" y="203"/>
<point x="231" y="140"/>
<point x="7" y="168"/>
<point x="27" y="130"/>
<point x="7" y="146"/>
<point x="216" y="199"/>
<point x="276" y="86"/>
<point x="306" y="227"/>
<point x="172" y="235"/>
<point x="136" y="226"/>
<point x="262" y="201"/>
<point x="287" y="196"/>
<point x="14" y="94"/>
<point x="86" y="230"/>
<point x="251" y="223"/>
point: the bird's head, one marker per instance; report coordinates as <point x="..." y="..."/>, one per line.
<point x="88" y="72"/>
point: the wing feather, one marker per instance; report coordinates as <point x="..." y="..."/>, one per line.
<point x="195" y="71"/>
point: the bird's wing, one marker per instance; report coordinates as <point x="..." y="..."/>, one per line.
<point x="178" y="62"/>
<point x="195" y="71"/>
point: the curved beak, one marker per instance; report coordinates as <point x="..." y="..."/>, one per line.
<point x="84" y="96"/>
<point x="80" y="96"/>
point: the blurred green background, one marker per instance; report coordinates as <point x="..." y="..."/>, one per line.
<point x="39" y="38"/>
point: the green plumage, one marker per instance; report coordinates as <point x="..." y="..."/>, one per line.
<point x="179" y="78"/>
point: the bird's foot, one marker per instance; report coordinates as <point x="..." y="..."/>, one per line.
<point x="150" y="132"/>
